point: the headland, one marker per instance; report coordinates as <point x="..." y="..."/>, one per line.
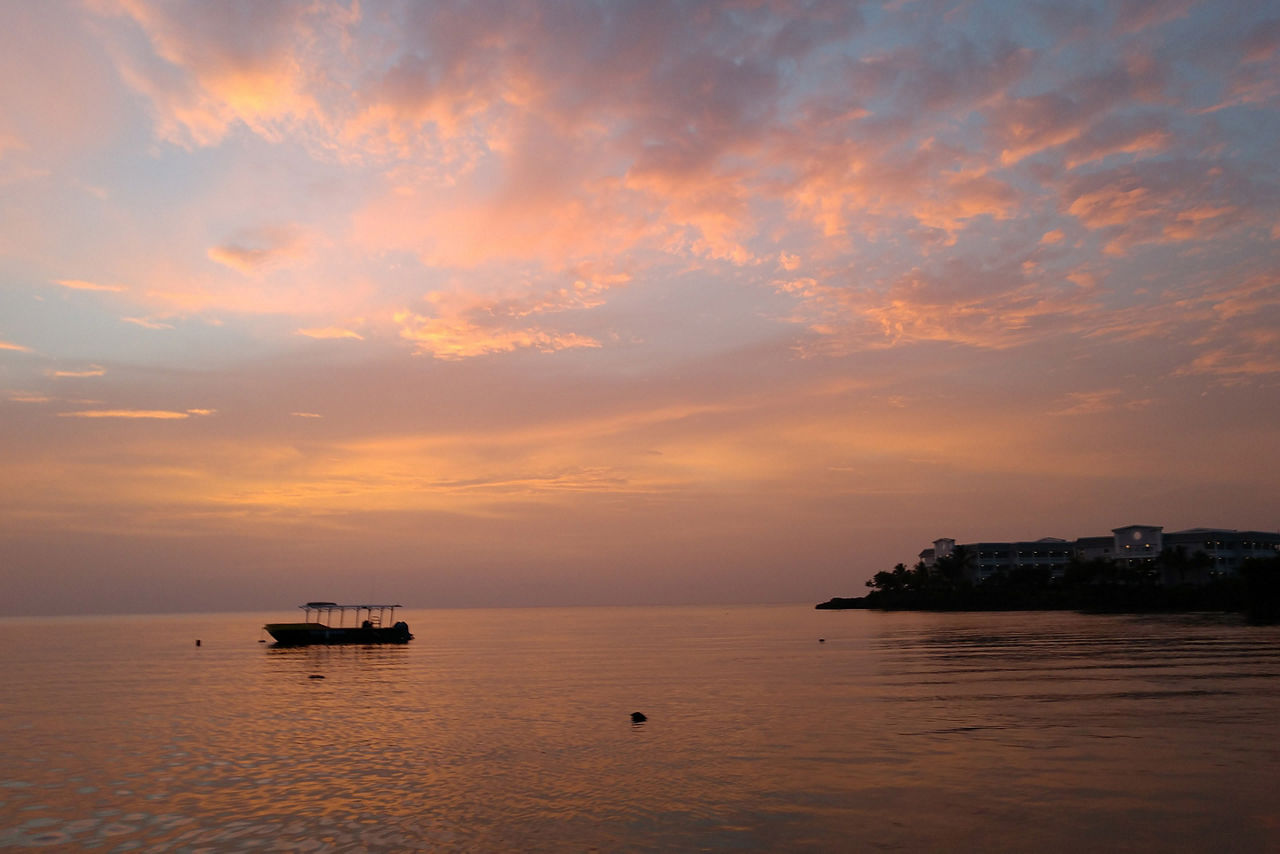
<point x="1140" y="569"/>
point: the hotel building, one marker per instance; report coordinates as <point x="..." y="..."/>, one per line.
<point x="1136" y="546"/>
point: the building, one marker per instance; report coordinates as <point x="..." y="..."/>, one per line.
<point x="1193" y="556"/>
<point x="1227" y="549"/>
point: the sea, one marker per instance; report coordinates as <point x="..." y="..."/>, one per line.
<point x="769" y="728"/>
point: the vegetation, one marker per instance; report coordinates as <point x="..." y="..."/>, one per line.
<point x="1175" y="581"/>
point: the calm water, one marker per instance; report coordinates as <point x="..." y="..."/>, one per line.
<point x="509" y="730"/>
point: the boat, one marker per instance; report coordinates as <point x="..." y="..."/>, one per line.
<point x="369" y="624"/>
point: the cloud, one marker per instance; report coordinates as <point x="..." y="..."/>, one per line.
<point x="1132" y="16"/>
<point x="147" y="323"/>
<point x="207" y="68"/>
<point x="306" y="414"/>
<point x="9" y="345"/>
<point x="458" y="337"/>
<point x="93" y="371"/>
<point x="1073" y="115"/>
<point x="1143" y="135"/>
<point x="1235" y="327"/>
<point x="1170" y="201"/>
<point x="330" y="332"/>
<point x="463" y="325"/>
<point x="159" y="414"/>
<point x="81" y="285"/>
<point x="988" y="306"/>
<point x="1103" y="400"/>
<point x="257" y="249"/>
<point x="1263" y="41"/>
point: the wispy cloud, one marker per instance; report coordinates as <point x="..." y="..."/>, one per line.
<point x="82" y="285"/>
<point x="1103" y="400"/>
<point x="328" y="332"/>
<point x="147" y="323"/>
<point x="159" y="414"/>
<point x="257" y="249"/>
<point x="92" y="371"/>
<point x="462" y="325"/>
<point x="739" y="264"/>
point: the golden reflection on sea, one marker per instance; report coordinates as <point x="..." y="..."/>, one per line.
<point x="507" y="730"/>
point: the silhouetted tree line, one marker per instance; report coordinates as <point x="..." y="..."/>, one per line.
<point x="1174" y="581"/>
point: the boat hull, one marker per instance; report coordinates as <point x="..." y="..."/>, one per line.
<point x="308" y="634"/>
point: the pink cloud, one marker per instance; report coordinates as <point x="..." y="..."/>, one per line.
<point x="157" y="414"/>
<point x="211" y="66"/>
<point x="256" y="249"/>
<point x="464" y="325"/>
<point x="459" y="337"/>
<point x="1132" y="16"/>
<point x="330" y="332"/>
<point x="988" y="308"/>
<point x="81" y="285"/>
<point x="1160" y="202"/>
<point x="1144" y="135"/>
<point x="147" y="323"/>
<point x="1072" y="114"/>
<point x="1100" y="401"/>
<point x="1263" y="41"/>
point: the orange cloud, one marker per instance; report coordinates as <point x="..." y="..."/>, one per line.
<point x="93" y="371"/>
<point x="1155" y="203"/>
<point x="330" y="332"/>
<point x="987" y="307"/>
<point x="259" y="248"/>
<point x="9" y="345"/>
<point x="160" y="414"/>
<point x="458" y="338"/>
<point x="464" y="325"/>
<point x="81" y="285"/>
<point x="147" y="323"/>
<point x="1104" y="400"/>
<point x="201" y="75"/>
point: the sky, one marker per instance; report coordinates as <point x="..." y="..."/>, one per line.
<point x="521" y="303"/>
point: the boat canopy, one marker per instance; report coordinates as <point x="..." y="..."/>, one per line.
<point x="327" y="608"/>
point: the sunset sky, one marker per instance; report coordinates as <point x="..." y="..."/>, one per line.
<point x="517" y="303"/>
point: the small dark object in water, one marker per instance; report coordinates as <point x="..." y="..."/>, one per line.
<point x="315" y="676"/>
<point x="197" y="641"/>
<point x="822" y="640"/>
<point x="638" y="717"/>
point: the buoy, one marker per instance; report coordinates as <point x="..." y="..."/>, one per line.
<point x="638" y="717"/>
<point x="822" y="640"/>
<point x="197" y="641"/>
